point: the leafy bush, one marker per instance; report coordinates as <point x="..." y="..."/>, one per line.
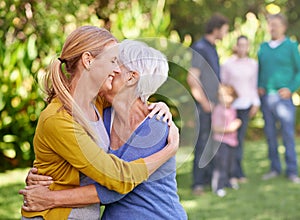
<point x="32" y="33"/>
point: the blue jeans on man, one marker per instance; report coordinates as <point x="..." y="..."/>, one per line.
<point x="202" y="173"/>
<point x="276" y="109"/>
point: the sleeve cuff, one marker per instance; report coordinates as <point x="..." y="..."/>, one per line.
<point x="256" y="102"/>
<point x="107" y="196"/>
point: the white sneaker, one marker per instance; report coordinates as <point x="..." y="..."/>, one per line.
<point x="221" y="192"/>
<point x="270" y="175"/>
<point x="294" y="179"/>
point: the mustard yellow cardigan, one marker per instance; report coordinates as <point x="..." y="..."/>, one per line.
<point x="63" y="149"/>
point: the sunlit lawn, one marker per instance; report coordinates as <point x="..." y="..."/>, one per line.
<point x="10" y="200"/>
<point x="276" y="199"/>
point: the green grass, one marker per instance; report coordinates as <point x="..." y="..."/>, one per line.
<point x="276" y="199"/>
<point x="10" y="201"/>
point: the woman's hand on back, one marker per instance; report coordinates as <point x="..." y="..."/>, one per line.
<point x="36" y="198"/>
<point x="162" y="110"/>
<point x="33" y="178"/>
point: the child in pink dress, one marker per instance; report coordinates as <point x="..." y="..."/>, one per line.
<point x="225" y="125"/>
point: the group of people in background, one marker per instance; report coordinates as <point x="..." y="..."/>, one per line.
<point x="228" y="95"/>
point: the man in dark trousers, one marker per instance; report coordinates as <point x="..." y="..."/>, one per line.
<point x="203" y="79"/>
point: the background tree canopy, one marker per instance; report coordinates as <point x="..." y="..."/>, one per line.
<point x="33" y="31"/>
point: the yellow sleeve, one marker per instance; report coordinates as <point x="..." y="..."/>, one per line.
<point x="69" y="140"/>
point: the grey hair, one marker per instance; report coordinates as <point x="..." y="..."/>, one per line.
<point x="150" y="63"/>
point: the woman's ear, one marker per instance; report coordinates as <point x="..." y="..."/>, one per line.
<point x="86" y="58"/>
<point x="133" y="78"/>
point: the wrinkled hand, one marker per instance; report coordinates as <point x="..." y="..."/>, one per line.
<point x="162" y="110"/>
<point x="285" y="93"/>
<point x="33" y="178"/>
<point x="36" y="198"/>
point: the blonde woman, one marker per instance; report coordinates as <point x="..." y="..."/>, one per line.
<point x="70" y="129"/>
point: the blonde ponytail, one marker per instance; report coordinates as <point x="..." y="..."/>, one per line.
<point x="57" y="84"/>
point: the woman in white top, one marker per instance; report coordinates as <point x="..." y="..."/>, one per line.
<point x="241" y="71"/>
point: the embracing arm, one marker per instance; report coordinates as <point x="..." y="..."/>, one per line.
<point x="82" y="153"/>
<point x="76" y="147"/>
<point x="40" y="197"/>
<point x="196" y="88"/>
<point x="220" y="124"/>
<point x="232" y="127"/>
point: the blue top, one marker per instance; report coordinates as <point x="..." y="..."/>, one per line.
<point x="279" y="67"/>
<point x="206" y="59"/>
<point x="155" y="198"/>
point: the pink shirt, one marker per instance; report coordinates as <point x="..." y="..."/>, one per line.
<point x="242" y="73"/>
<point x="222" y="117"/>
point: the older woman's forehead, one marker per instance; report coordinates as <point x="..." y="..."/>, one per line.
<point x="123" y="68"/>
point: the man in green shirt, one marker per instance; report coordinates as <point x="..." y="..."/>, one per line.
<point x="279" y="77"/>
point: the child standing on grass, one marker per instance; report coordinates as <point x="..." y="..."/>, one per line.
<point x="224" y="125"/>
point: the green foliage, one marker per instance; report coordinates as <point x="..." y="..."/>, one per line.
<point x="189" y="17"/>
<point x="254" y="27"/>
<point x="33" y="31"/>
<point x="136" y="23"/>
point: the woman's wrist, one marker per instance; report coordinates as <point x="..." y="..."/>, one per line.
<point x="54" y="199"/>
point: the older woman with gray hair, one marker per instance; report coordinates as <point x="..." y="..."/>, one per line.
<point x="143" y="71"/>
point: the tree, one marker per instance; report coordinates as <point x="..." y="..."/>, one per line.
<point x="32" y="33"/>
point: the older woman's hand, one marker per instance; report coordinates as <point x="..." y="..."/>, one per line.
<point x="36" y="198"/>
<point x="162" y="110"/>
<point x="33" y="178"/>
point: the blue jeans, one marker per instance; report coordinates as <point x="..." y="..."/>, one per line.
<point x="243" y="115"/>
<point x="202" y="176"/>
<point x="277" y="110"/>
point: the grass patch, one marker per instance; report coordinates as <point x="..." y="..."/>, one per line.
<point x="10" y="201"/>
<point x="258" y="200"/>
<point x="275" y="199"/>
